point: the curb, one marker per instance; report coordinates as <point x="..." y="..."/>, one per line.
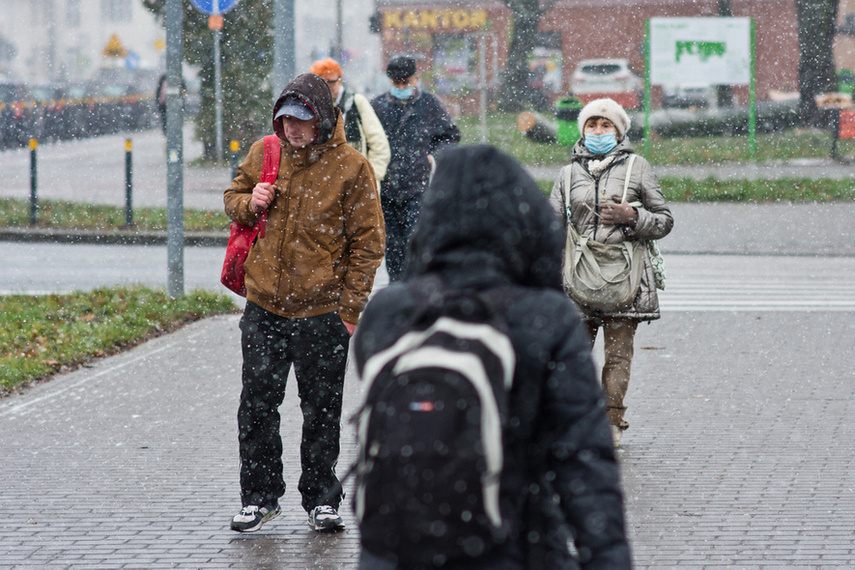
<point x="115" y="237"/>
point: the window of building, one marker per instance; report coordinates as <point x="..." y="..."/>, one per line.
<point x="116" y="10"/>
<point x="455" y="60"/>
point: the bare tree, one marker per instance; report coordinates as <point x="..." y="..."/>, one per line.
<point x="816" y="22"/>
<point x="526" y="16"/>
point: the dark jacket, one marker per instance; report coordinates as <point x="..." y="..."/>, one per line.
<point x="485" y="225"/>
<point x="415" y="128"/>
<point x="587" y="191"/>
<point x="324" y="237"/>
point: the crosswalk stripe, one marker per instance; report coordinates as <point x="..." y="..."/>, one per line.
<point x="758" y="283"/>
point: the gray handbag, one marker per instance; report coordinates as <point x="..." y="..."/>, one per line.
<point x="603" y="276"/>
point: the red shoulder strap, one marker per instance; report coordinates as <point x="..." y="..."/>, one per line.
<point x="269" y="171"/>
<point x="270" y="168"/>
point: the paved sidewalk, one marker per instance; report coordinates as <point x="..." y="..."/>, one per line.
<point x="132" y="463"/>
<point x="739" y="454"/>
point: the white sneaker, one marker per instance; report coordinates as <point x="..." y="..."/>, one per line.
<point x="250" y="518"/>
<point x="325" y="518"/>
<point x="616" y="435"/>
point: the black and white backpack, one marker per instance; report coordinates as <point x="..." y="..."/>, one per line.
<point x="430" y="437"/>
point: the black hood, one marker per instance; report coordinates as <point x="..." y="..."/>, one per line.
<point x="312" y="90"/>
<point x="483" y="218"/>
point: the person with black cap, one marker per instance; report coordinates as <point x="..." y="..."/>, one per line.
<point x="308" y="276"/>
<point x="417" y="126"/>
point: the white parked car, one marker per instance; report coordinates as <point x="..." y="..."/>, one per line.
<point x="607" y="78"/>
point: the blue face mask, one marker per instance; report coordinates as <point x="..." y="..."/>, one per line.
<point x="601" y="144"/>
<point x="401" y="94"/>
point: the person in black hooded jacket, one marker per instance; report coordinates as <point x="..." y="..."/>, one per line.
<point x="485" y="225"/>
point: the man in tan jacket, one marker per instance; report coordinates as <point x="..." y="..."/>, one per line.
<point x="307" y="279"/>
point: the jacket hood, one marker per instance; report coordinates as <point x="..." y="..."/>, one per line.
<point x="484" y="219"/>
<point x="312" y="90"/>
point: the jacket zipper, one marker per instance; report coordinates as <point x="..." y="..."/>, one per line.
<point x="596" y="206"/>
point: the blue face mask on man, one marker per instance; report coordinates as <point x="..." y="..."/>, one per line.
<point x="401" y="94"/>
<point x="601" y="144"/>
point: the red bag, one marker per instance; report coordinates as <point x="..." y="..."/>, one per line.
<point x="242" y="237"/>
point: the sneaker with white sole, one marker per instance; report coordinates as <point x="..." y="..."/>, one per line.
<point x="250" y="518"/>
<point x="325" y="518"/>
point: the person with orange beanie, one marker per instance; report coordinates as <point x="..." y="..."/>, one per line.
<point x="362" y="128"/>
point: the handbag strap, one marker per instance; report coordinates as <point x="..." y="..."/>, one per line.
<point x="626" y="179"/>
<point x="270" y="166"/>
<point x="631" y="159"/>
<point x="269" y="172"/>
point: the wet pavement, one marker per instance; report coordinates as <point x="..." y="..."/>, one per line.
<point x="739" y="453"/>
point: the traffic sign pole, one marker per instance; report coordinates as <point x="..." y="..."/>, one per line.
<point x="283" y="44"/>
<point x="174" y="151"/>
<point x="218" y="86"/>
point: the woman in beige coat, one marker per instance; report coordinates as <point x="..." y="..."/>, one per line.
<point x="587" y="193"/>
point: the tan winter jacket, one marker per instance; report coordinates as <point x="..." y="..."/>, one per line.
<point x="372" y="141"/>
<point x="587" y="192"/>
<point x="325" y="235"/>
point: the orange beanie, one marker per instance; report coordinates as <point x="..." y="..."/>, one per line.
<point x="325" y="66"/>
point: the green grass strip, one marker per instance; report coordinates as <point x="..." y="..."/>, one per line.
<point x="15" y="213"/>
<point x="43" y="334"/>
<point x="749" y="191"/>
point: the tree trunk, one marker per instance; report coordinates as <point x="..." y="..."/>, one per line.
<point x="816" y="22"/>
<point x="515" y="84"/>
<point x="515" y="91"/>
<point x="724" y="93"/>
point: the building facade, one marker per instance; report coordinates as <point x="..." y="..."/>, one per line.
<point x="66" y="40"/>
<point x="450" y="38"/>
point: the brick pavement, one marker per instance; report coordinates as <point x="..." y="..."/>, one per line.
<point x="739" y="454"/>
<point x="132" y="463"/>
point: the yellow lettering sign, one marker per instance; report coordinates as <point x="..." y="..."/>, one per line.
<point x="429" y="19"/>
<point x="460" y="19"/>
<point x="392" y="20"/>
<point x="411" y="19"/>
<point x="435" y="19"/>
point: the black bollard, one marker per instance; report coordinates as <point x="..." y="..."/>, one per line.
<point x="129" y="183"/>
<point x="34" y="202"/>
<point x="234" y="146"/>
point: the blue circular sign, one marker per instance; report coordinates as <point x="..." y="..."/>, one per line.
<point x="214" y="7"/>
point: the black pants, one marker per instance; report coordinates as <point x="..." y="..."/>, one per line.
<point x="317" y="347"/>
<point x="400" y="219"/>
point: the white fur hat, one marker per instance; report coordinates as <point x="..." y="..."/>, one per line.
<point x="607" y="108"/>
